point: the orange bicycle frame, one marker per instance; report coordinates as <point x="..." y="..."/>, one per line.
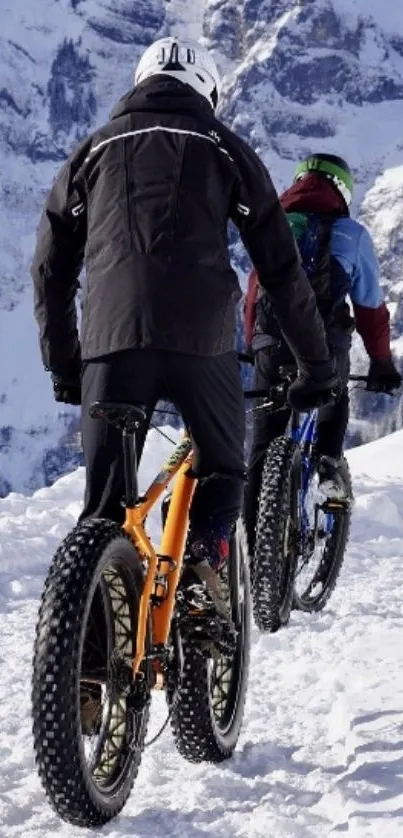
<point x="163" y="567"/>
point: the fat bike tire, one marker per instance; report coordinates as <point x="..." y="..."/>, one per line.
<point x="274" y="558"/>
<point x="88" y="752"/>
<point x="207" y="701"/>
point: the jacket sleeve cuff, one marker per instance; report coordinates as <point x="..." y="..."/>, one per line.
<point x="373" y="326"/>
<point x="250" y="307"/>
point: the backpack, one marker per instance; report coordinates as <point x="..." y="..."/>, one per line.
<point x="312" y="234"/>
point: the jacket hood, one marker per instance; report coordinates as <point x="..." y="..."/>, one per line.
<point x="161" y="93"/>
<point x="313" y="193"/>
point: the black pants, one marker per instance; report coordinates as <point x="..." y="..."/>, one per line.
<point x="208" y="393"/>
<point x="331" y="428"/>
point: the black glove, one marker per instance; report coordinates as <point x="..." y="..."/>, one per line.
<point x="67" y="382"/>
<point x="317" y="385"/>
<point x="383" y="377"/>
<point x="66" y="390"/>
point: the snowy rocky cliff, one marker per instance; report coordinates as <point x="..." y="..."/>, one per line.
<point x="299" y="75"/>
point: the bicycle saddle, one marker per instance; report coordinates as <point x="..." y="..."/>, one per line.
<point x="124" y="417"/>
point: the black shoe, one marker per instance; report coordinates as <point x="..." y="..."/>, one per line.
<point x="204" y="609"/>
<point x="331" y="482"/>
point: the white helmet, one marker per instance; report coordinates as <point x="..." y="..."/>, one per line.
<point x="185" y="60"/>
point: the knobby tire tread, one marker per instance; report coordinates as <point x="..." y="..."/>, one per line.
<point x="272" y="592"/>
<point x="197" y="735"/>
<point x="55" y="702"/>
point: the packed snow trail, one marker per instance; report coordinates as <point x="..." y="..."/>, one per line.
<point x="321" y="752"/>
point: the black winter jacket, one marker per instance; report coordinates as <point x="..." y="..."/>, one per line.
<point x="144" y="203"/>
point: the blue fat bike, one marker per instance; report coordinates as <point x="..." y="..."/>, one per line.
<point x="300" y="536"/>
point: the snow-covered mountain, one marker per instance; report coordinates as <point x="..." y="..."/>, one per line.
<point x="298" y="75"/>
<point x="321" y="751"/>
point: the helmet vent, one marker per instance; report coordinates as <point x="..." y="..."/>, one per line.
<point x="170" y="60"/>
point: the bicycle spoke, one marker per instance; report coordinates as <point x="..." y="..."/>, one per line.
<point x="106" y="744"/>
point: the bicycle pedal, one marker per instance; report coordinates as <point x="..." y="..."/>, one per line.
<point x="194" y="601"/>
<point x="334" y="507"/>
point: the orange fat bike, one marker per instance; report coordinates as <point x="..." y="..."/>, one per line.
<point x="110" y="630"/>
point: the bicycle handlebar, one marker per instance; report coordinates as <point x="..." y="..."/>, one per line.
<point x="278" y="390"/>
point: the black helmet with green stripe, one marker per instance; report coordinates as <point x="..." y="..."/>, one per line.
<point x="332" y="168"/>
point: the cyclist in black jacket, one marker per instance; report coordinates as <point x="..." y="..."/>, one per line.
<point x="144" y="204"/>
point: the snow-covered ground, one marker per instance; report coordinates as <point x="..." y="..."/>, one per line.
<point x="321" y="752"/>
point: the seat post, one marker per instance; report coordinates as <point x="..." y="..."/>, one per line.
<point x="130" y="468"/>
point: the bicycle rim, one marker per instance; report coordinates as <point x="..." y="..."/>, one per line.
<point x="106" y="739"/>
<point x="322" y="553"/>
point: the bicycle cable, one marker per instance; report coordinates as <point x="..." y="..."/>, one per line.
<point x="161" y="731"/>
<point x="167" y="720"/>
<point x="156" y="428"/>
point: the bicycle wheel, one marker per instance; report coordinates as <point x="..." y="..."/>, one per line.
<point x="89" y="717"/>
<point x="207" y="701"/>
<point x="273" y="562"/>
<point x="323" y="548"/>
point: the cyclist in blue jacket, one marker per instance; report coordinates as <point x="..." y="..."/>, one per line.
<point x="346" y="266"/>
